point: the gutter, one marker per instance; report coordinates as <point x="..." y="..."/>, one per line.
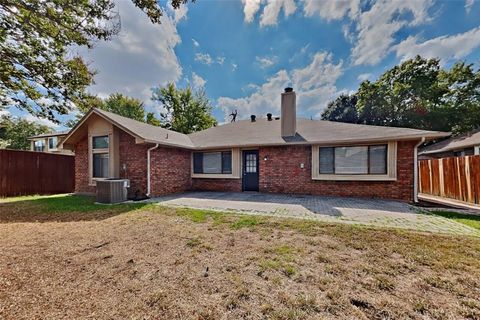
<point x="148" y="168"/>
<point x="415" y="170"/>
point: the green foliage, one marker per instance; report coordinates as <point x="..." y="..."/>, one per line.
<point x="467" y="219"/>
<point x="14" y="132"/>
<point x="342" y="109"/>
<point x="418" y="93"/>
<point x="122" y="105"/>
<point x="38" y="72"/>
<point x="186" y="111"/>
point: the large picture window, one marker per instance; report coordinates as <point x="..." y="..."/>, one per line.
<point x="100" y="157"/>
<point x="212" y="162"/>
<point x="354" y="160"/>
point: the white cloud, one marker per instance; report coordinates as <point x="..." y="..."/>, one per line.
<point x="331" y="10"/>
<point x="314" y="84"/>
<point x="376" y="27"/>
<point x="364" y="76"/>
<point x="141" y="56"/>
<point x="266" y="62"/>
<point x="195" y="43"/>
<point x="250" y="8"/>
<point x="468" y="5"/>
<point x="198" y="82"/>
<point x="180" y="13"/>
<point x="445" y="47"/>
<point x="272" y="10"/>
<point x="204" y="58"/>
<point x="220" y="60"/>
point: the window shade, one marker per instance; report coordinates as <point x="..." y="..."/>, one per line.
<point x="212" y="162"/>
<point x="100" y="165"/>
<point x="351" y="160"/>
<point x="378" y="159"/>
<point x="326" y="160"/>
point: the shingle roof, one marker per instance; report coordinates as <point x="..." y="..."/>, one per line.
<point x="148" y="132"/>
<point x="262" y="132"/>
<point x="454" y="143"/>
<point x="51" y="134"/>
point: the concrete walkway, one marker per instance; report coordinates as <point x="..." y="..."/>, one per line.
<point x="373" y="212"/>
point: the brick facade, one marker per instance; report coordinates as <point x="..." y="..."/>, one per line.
<point x="226" y="185"/>
<point x="170" y="167"/>
<point x="170" y="171"/>
<point x="282" y="173"/>
<point x="81" y="168"/>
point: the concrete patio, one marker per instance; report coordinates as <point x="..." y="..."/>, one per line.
<point x="374" y="212"/>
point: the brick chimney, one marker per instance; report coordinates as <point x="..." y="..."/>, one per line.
<point x="289" y="113"/>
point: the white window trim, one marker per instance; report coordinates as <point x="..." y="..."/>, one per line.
<point x="391" y="166"/>
<point x="235" y="166"/>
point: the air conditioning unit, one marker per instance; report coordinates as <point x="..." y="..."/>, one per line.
<point x="112" y="190"/>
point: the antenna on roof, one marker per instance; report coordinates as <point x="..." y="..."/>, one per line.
<point x="234" y="115"/>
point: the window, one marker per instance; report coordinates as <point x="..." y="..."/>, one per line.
<point x="39" y="145"/>
<point x="358" y="160"/>
<point x="52" y="143"/>
<point x="212" y="162"/>
<point x="100" y="142"/>
<point x="100" y="157"/>
<point x="100" y="165"/>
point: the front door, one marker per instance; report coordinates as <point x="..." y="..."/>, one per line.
<point x="250" y="170"/>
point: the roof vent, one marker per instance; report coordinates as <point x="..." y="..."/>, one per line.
<point x="253" y="117"/>
<point x="269" y="116"/>
<point x="288" y="89"/>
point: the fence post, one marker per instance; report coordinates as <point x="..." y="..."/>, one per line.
<point x="467" y="178"/>
<point x="430" y="175"/>
<point x="441" y="178"/>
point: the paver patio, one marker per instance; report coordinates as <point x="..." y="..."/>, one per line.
<point x="375" y="212"/>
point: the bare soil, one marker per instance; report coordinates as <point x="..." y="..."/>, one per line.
<point x="160" y="263"/>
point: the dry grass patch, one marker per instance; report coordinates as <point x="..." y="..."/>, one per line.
<point x="149" y="262"/>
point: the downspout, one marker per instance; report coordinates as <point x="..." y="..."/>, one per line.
<point x="148" y="168"/>
<point x="415" y="170"/>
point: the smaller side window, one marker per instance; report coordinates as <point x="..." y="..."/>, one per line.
<point x="198" y="162"/>
<point x="52" y="143"/>
<point x="327" y="156"/>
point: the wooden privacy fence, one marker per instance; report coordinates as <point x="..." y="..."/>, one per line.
<point x="455" y="178"/>
<point x="27" y="172"/>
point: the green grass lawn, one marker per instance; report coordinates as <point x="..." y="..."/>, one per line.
<point x="466" y="219"/>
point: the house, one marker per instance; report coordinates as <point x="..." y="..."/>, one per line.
<point x="49" y="142"/>
<point x="273" y="154"/>
<point x="467" y="144"/>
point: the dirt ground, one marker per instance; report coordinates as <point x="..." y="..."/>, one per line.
<point x="159" y="263"/>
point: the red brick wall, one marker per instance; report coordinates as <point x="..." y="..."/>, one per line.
<point x="282" y="174"/>
<point x="170" y="171"/>
<point x="226" y="185"/>
<point x="81" y="168"/>
<point x="170" y="167"/>
<point x="133" y="164"/>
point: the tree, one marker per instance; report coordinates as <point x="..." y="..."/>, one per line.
<point x="14" y="132"/>
<point x="186" y="111"/>
<point x="122" y="105"/>
<point x="38" y="72"/>
<point x="342" y="109"/>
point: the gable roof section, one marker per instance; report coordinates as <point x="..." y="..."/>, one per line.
<point x="454" y="143"/>
<point x="262" y="132"/>
<point x="140" y="130"/>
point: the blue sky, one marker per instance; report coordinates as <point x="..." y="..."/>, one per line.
<point x="243" y="53"/>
